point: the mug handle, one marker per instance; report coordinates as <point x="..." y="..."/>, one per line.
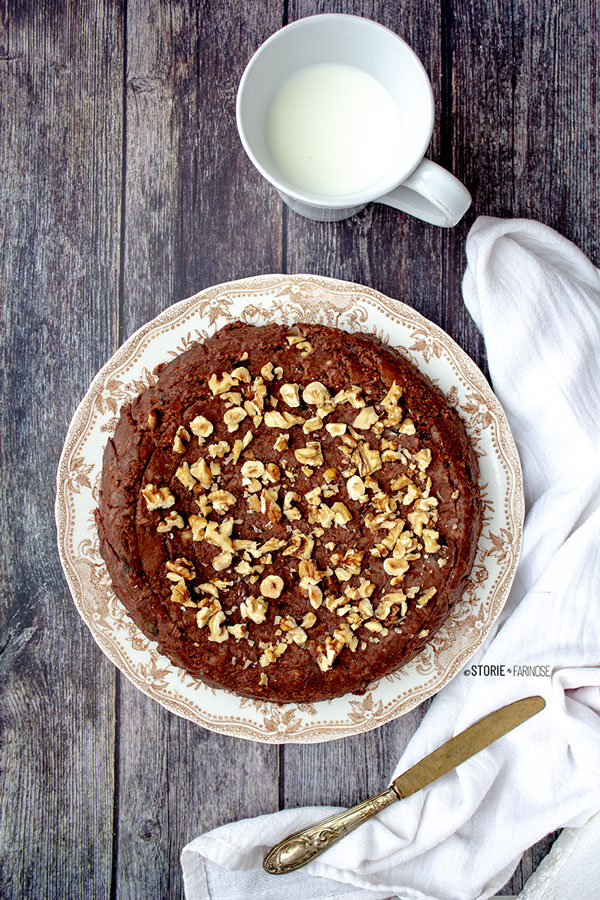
<point x="432" y="194"/>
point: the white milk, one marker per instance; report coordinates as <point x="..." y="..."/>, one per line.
<point x="332" y="129"/>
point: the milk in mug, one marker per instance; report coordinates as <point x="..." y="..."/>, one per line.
<point x="332" y="129"/>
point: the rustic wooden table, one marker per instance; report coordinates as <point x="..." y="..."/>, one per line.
<point x="125" y="188"/>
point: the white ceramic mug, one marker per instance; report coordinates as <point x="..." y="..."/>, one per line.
<point x="410" y="183"/>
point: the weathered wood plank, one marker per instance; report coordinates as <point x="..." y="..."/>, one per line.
<point x="196" y="213"/>
<point x="60" y="84"/>
<point x="556" y="87"/>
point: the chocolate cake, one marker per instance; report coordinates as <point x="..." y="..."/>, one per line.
<point x="289" y="512"/>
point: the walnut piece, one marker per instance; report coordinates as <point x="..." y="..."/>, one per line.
<point x="182" y="436"/>
<point x="316" y="394"/>
<point x="290" y="394"/>
<point x="311" y="455"/>
<point x="157" y="498"/>
<point x="254" y="608"/>
<point x="172" y="520"/>
<point x="185" y="476"/>
<point x="217" y="629"/>
<point x="274" y="419"/>
<point x="365" y="419"/>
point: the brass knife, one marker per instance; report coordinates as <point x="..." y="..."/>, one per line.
<point x="300" y="848"/>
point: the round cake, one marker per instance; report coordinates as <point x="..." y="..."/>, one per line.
<point x="289" y="512"/>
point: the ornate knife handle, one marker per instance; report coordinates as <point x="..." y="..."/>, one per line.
<point x="299" y="848"/>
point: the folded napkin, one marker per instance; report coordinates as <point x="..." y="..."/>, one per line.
<point x="536" y="299"/>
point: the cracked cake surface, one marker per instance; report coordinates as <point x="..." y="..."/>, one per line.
<point x="290" y="511"/>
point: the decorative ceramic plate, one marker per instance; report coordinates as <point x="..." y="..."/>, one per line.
<point x="288" y="299"/>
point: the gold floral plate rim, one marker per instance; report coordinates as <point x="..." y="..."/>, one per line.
<point x="289" y="298"/>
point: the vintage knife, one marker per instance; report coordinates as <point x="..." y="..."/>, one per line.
<point x="299" y="848"/>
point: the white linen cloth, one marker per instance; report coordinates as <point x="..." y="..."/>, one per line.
<point x="536" y="299"/>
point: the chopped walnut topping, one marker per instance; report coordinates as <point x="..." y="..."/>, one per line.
<point x="366" y="418"/>
<point x="254" y="608"/>
<point x="271" y="653"/>
<point x="272" y="473"/>
<point x="152" y="420"/>
<point x="198" y="526"/>
<point x="172" y="520"/>
<point x="185" y="476"/>
<point x="336" y="429"/>
<point x="430" y="543"/>
<point x="218" y="450"/>
<point x="240" y="445"/>
<point x="342" y="514"/>
<point x="313" y="424"/>
<point x="388" y="601"/>
<point x="220" y="385"/>
<point x="334" y="644"/>
<point x="204" y="614"/>
<point x="311" y="455"/>
<point x="221" y="501"/>
<point x="269" y="506"/>
<point x="289" y="510"/>
<point x="232" y="398"/>
<point x="180" y="593"/>
<point x="366" y="460"/>
<point x="355" y="487"/>
<point x="274" y="419"/>
<point x="316" y="394"/>
<point x="281" y="443"/>
<point x="315" y="596"/>
<point x="157" y="498"/>
<point x="201" y="471"/>
<point x="180" y="568"/>
<point x="300" y="545"/>
<point x="365" y="608"/>
<point x="407" y="427"/>
<point x="241" y="373"/>
<point x="392" y="397"/>
<point x="330" y="474"/>
<point x="426" y="596"/>
<point x="298" y="635"/>
<point x="267" y="372"/>
<point x="423" y="458"/>
<point x="217" y="629"/>
<point x="271" y="586"/>
<point x="309" y="620"/>
<point x="201" y="427"/>
<point x="418" y="519"/>
<point x="222" y="561"/>
<point x="182" y="436"/>
<point x="290" y="394"/>
<point x="238" y="631"/>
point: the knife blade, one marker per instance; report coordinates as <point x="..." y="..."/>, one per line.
<point x="301" y="847"/>
<point x="466" y="744"/>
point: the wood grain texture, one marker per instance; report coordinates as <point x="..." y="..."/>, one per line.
<point x="125" y="188"/>
<point x="59" y="242"/>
